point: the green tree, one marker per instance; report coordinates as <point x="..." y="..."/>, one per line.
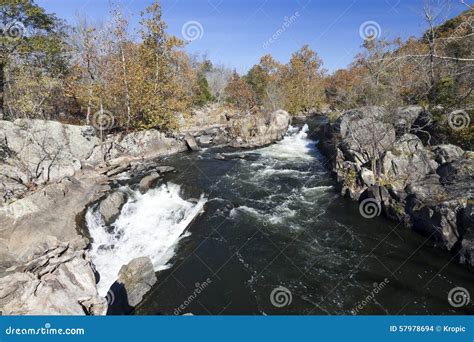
<point x="203" y="94"/>
<point x="27" y="30"/>
<point x="258" y="79"/>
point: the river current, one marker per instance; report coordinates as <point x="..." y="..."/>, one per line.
<point x="265" y="232"/>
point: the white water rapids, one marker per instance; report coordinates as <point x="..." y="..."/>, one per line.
<point x="150" y="224"/>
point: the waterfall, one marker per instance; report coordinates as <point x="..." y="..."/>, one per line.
<point x="150" y="224"/>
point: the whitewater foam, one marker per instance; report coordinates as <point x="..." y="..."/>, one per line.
<point x="295" y="145"/>
<point x="150" y="224"/>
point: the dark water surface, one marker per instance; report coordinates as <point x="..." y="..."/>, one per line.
<point x="274" y="219"/>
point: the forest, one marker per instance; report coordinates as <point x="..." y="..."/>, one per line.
<point x="83" y="72"/>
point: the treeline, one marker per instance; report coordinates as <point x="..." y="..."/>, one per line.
<point x="145" y="79"/>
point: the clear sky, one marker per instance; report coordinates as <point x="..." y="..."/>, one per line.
<point x="236" y="33"/>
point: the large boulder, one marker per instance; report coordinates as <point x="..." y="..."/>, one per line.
<point x="191" y="142"/>
<point x="405" y="117"/>
<point x="447" y="153"/>
<point x="147" y="144"/>
<point x="111" y="206"/>
<point x="365" y="134"/>
<point x="408" y="161"/>
<point x="58" y="279"/>
<point x="134" y="280"/>
<point x="254" y="130"/>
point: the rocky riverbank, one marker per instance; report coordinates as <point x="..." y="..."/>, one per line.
<point x="51" y="172"/>
<point x="379" y="159"/>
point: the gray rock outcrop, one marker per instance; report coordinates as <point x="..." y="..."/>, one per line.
<point x="57" y="280"/>
<point x="429" y="188"/>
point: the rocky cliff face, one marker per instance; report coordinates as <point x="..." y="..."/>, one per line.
<point x="378" y="159"/>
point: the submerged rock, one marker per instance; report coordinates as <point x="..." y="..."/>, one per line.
<point x="147" y="182"/>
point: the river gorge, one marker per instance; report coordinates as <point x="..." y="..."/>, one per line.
<point x="231" y="227"/>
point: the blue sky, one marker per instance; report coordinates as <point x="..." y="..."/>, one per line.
<point x="236" y="33"/>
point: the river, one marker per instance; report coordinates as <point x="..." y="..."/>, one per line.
<point x="267" y="233"/>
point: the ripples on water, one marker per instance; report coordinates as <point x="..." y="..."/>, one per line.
<point x="272" y="219"/>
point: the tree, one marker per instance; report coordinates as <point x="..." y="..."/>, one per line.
<point x="218" y="78"/>
<point x="203" y="93"/>
<point x="28" y="31"/>
<point x="303" y="81"/>
<point x="239" y="93"/>
<point x="162" y="96"/>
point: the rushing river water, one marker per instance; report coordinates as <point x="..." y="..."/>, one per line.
<point x="267" y="233"/>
